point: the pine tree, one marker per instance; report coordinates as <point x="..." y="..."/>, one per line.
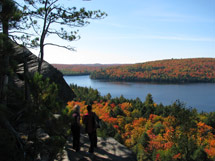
<point x="57" y="20"/>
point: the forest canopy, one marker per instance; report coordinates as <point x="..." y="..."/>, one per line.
<point x="172" y="70"/>
<point x="152" y="131"/>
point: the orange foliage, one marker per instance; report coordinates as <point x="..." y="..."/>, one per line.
<point x="173" y="70"/>
<point x="131" y="129"/>
<point x="83" y="107"/>
<point x="203" y="128"/>
<point x="210" y="150"/>
<point x="177" y="156"/>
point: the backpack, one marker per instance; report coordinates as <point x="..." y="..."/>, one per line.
<point x="94" y="119"/>
<point x="97" y="121"/>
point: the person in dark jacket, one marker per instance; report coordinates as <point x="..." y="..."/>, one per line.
<point x="89" y="120"/>
<point x="75" y="128"/>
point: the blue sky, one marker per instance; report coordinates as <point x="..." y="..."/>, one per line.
<point x="140" y="30"/>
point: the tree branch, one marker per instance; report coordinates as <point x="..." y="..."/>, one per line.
<point x="56" y="33"/>
<point x="61" y="46"/>
<point x="47" y="27"/>
<point x="20" y="32"/>
<point x="44" y="23"/>
<point x="52" y="4"/>
<point x="69" y="24"/>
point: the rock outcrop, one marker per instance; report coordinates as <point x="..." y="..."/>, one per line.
<point x="108" y="150"/>
<point x="22" y="55"/>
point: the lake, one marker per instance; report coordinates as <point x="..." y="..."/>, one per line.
<point x="196" y="95"/>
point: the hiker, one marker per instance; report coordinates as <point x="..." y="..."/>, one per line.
<point x="89" y="121"/>
<point x="75" y="128"/>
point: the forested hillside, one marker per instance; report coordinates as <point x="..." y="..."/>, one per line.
<point x="172" y="70"/>
<point x="153" y="132"/>
<point x="80" y="69"/>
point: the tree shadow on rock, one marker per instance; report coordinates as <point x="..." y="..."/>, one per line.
<point x="108" y="150"/>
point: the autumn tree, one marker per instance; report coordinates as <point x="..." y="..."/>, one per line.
<point x="49" y="17"/>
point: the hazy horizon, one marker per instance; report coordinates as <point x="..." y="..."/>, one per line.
<point x="128" y="63"/>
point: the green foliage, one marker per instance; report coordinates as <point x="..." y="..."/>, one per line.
<point x="118" y="111"/>
<point x="141" y="154"/>
<point x="165" y="155"/>
<point x="158" y="128"/>
<point x="8" y="148"/>
<point x="136" y="113"/>
<point x="6" y="51"/>
<point x="210" y="119"/>
<point x="118" y="138"/>
<point x="144" y="140"/>
<point x="184" y="117"/>
<point x="54" y="144"/>
<point x="44" y="95"/>
<point x="107" y="130"/>
<point x="14" y="21"/>
<point x="149" y="100"/>
<point x="44" y="116"/>
<point x="85" y="94"/>
<point x="111" y="131"/>
<point x="200" y="155"/>
<point x="108" y="96"/>
<point x="189" y="148"/>
<point x="10" y="14"/>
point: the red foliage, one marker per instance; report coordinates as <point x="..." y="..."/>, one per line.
<point x="174" y="70"/>
<point x="132" y="129"/>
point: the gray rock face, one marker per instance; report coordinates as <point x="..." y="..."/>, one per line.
<point x="48" y="71"/>
<point x="108" y="150"/>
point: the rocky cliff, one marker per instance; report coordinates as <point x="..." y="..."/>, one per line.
<point x="22" y="55"/>
<point x="27" y="133"/>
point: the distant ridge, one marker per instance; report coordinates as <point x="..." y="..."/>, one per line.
<point x="167" y="71"/>
<point x="81" y="69"/>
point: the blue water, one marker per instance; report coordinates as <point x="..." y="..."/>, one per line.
<point x="196" y="95"/>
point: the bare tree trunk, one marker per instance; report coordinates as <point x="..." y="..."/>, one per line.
<point x="1" y="72"/>
<point x="5" y="86"/>
<point x="5" y="62"/>
<point x="5" y="27"/>
<point x="26" y="79"/>
<point x="39" y="63"/>
<point x="1" y="86"/>
<point x="4" y="74"/>
<point x="42" y="38"/>
<point x="40" y="58"/>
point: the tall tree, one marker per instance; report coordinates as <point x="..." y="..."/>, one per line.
<point x="50" y="17"/>
<point x="10" y="17"/>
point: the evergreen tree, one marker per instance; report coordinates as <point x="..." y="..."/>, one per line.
<point x="149" y="100"/>
<point x="57" y="20"/>
<point x="10" y="16"/>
